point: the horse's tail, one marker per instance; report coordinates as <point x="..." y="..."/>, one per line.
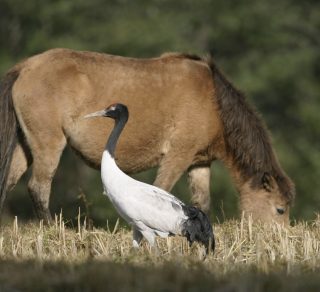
<point x="8" y="129"/>
<point x="198" y="228"/>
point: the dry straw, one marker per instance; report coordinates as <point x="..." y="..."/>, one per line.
<point x="238" y="244"/>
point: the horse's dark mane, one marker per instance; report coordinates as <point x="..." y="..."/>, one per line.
<point x="245" y="133"/>
<point x="246" y="136"/>
<point x="189" y="56"/>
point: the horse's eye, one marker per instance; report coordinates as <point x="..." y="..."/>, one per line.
<point x="280" y="211"/>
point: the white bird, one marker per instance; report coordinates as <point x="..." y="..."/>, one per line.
<point x="148" y="209"/>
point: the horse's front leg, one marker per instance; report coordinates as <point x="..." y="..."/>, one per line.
<point x="170" y="170"/>
<point x="199" y="182"/>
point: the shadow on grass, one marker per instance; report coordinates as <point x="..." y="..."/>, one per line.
<point x="110" y="276"/>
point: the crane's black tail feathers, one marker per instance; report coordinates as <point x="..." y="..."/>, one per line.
<point x="198" y="228"/>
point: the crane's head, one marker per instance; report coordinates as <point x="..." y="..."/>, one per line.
<point x="114" y="111"/>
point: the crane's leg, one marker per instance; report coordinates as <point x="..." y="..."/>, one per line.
<point x="147" y="233"/>
<point x="199" y="182"/>
<point x="137" y="237"/>
<point x="150" y="237"/>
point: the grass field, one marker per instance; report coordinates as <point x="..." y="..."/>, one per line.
<point x="248" y="257"/>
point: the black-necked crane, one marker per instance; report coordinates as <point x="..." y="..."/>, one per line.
<point x="148" y="209"/>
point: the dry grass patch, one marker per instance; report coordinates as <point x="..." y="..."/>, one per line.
<point x="245" y="252"/>
<point x="237" y="243"/>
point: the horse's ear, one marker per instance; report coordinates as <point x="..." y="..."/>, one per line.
<point x="267" y="181"/>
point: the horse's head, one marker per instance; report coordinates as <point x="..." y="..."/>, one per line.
<point x="268" y="198"/>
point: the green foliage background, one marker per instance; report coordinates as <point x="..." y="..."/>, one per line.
<point x="269" y="49"/>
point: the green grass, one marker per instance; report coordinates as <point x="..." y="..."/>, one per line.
<point x="248" y="257"/>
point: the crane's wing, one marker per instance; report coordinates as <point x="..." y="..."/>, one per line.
<point x="155" y="208"/>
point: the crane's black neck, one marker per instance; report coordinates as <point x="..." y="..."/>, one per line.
<point x="116" y="131"/>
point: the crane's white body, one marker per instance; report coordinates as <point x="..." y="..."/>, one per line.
<point x="149" y="210"/>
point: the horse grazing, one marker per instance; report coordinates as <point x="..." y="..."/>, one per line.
<point x="184" y="114"/>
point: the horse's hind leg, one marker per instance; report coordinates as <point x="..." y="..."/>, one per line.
<point x="21" y="160"/>
<point x="46" y="146"/>
<point x="45" y="163"/>
<point x="199" y="182"/>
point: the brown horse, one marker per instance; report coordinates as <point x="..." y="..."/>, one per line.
<point x="183" y="115"/>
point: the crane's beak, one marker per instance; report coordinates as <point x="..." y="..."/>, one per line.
<point x="96" y="114"/>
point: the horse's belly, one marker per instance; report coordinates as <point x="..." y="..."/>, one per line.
<point x="133" y="153"/>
